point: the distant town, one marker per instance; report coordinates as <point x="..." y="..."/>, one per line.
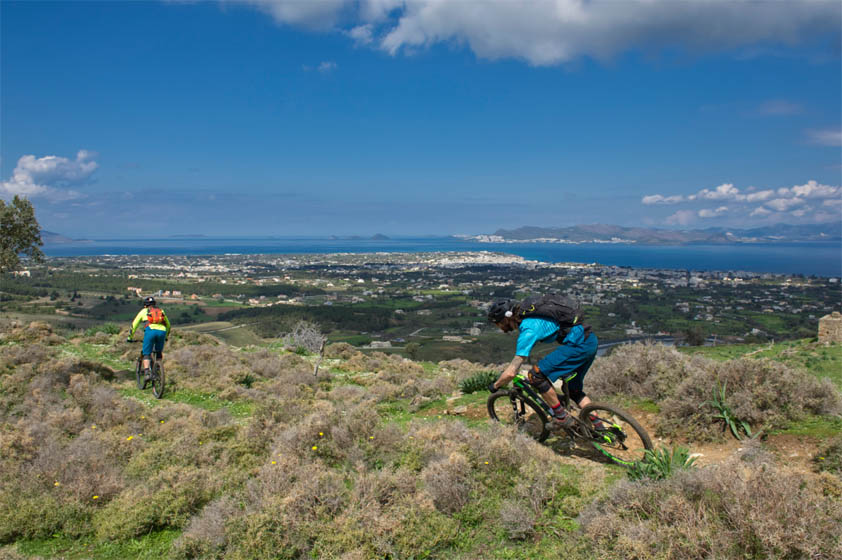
<point x="432" y="303"/>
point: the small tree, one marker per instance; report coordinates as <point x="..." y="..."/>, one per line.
<point x="20" y="233"/>
<point x="307" y="336"/>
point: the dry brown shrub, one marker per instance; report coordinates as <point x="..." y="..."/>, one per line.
<point x="90" y="464"/>
<point x="349" y="394"/>
<point x="35" y="332"/>
<point x="295" y="364"/>
<point x="341" y="350"/>
<point x="205" y="535"/>
<point x="516" y="519"/>
<point x="738" y="509"/>
<point x="763" y="393"/>
<point x="645" y="370"/>
<point x="16" y="354"/>
<point x="463" y="368"/>
<point x="448" y="482"/>
<point x="10" y="552"/>
<point x="317" y="494"/>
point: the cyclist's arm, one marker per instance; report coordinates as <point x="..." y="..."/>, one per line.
<point x="139" y="318"/>
<point x="510" y="372"/>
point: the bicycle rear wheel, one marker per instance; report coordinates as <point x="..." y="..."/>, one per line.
<point x="138" y="374"/>
<point x="158" y="380"/>
<point x="513" y="409"/>
<point x="622" y="439"/>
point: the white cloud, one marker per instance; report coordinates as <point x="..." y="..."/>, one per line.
<point x="825" y="137"/>
<point x="681" y="218"/>
<point x="760" y="196"/>
<point x="547" y="32"/>
<point x="49" y="176"/>
<point x="784" y="204"/>
<point x="708" y="213"/>
<point x="812" y="189"/>
<point x="791" y="201"/>
<point x="316" y="14"/>
<point x="778" y="107"/>
<point x="362" y="34"/>
<point x="722" y="192"/>
<point x="326" y="67"/>
<point x="659" y="199"/>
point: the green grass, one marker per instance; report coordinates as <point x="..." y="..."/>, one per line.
<point x="148" y="547"/>
<point x="205" y="401"/>
<point x="821" y="427"/>
<point x="98" y="353"/>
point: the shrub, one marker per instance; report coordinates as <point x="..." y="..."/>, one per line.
<point x="762" y="393"/>
<point x="448" y="483"/>
<point x="746" y="507"/>
<point x="341" y="350"/>
<point x="106" y="328"/>
<point x="166" y="500"/>
<point x="644" y="370"/>
<point x="205" y="535"/>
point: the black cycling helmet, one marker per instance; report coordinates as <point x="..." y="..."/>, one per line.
<point x="148" y="300"/>
<point x="499" y="310"/>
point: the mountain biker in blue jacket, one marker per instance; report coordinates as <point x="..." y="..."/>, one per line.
<point x="155" y="334"/>
<point x="571" y="360"/>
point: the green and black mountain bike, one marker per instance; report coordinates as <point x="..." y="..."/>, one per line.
<point x="619" y="436"/>
<point x="156" y="378"/>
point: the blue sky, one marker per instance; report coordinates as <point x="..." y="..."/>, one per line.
<point x="419" y="117"/>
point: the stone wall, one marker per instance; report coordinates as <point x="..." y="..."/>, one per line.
<point x="830" y="328"/>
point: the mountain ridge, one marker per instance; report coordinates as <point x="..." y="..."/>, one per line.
<point x="782" y="233"/>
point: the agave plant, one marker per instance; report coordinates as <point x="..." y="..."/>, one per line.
<point x="725" y="414"/>
<point x="477" y="382"/>
<point x="662" y="463"/>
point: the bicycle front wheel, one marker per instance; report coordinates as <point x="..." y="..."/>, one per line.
<point x="158" y="381"/>
<point x="515" y="410"/>
<point x="138" y="374"/>
<point x="620" y="437"/>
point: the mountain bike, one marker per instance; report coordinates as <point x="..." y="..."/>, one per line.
<point x="616" y="434"/>
<point x="157" y="374"/>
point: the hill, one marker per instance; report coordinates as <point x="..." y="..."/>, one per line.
<point x="651" y="236"/>
<point x="249" y="455"/>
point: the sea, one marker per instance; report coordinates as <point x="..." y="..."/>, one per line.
<point x="808" y="259"/>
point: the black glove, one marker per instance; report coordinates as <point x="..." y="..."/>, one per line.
<point x="129" y="339"/>
<point x="492" y="388"/>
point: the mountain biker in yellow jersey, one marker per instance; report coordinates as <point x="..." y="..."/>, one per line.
<point x="155" y="334"/>
<point x="570" y="360"/>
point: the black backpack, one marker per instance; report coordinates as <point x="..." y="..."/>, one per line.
<point x="564" y="310"/>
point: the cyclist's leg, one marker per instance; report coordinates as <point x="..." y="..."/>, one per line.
<point x="160" y="338"/>
<point x="148" y="343"/>
<point x="576" y="383"/>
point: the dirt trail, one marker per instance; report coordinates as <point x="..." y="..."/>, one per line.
<point x="796" y="451"/>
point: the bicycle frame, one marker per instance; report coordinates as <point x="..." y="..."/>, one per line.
<point x="522" y="385"/>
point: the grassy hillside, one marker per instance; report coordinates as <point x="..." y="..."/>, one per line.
<point x="249" y="455"/>
<point x="819" y="359"/>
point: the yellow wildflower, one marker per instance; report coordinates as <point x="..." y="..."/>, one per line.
<point x="96" y="497"/>
<point x="57" y="483"/>
<point x="129" y="438"/>
<point x="315" y="447"/>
